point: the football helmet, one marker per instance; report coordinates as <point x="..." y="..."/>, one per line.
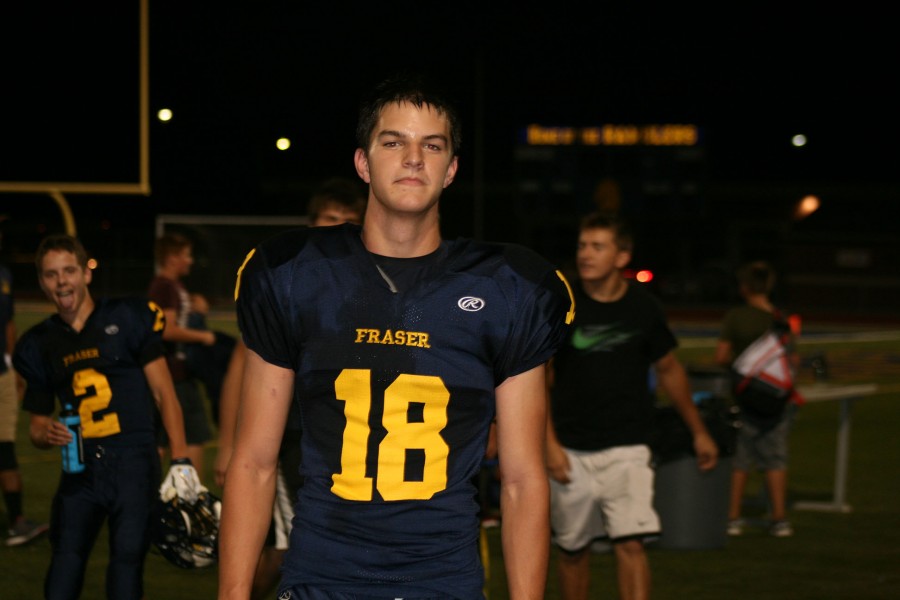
<point x="187" y="534"/>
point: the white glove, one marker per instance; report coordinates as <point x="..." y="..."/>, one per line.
<point x="181" y="481"/>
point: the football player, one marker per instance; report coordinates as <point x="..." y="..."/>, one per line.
<point x="104" y="358"/>
<point x="403" y="348"/>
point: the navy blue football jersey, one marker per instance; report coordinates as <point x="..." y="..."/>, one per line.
<point x="396" y="394"/>
<point x="98" y="370"/>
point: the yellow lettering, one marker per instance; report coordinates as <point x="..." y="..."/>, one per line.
<point x="669" y="135"/>
<point x="81" y="355"/>
<point x="399" y="337"/>
<point x="614" y="135"/>
<point x="620" y="135"/>
<point x="591" y="136"/>
<point x="550" y="136"/>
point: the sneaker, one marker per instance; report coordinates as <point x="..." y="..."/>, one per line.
<point x="23" y="531"/>
<point x="735" y="527"/>
<point x="781" y="529"/>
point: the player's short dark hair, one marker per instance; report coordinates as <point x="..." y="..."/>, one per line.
<point x="757" y="277"/>
<point x="615" y="223"/>
<point x="60" y="242"/>
<point x="344" y="192"/>
<point x="168" y="244"/>
<point x="411" y="88"/>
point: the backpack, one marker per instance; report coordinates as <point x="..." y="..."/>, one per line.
<point x="762" y="375"/>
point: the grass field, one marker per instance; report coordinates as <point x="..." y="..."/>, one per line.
<point x="853" y="555"/>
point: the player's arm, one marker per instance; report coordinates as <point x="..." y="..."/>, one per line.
<point x="525" y="491"/>
<point x="163" y="390"/>
<point x="673" y="380"/>
<point x="228" y="409"/>
<point x="44" y="431"/>
<point x="176" y="333"/>
<point x="266" y="392"/>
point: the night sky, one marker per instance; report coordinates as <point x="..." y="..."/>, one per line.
<point x="750" y="81"/>
<point x="238" y="78"/>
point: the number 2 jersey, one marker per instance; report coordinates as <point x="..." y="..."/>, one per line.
<point x="98" y="370"/>
<point x="396" y="396"/>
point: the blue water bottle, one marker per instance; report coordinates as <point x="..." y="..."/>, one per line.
<point x="73" y="452"/>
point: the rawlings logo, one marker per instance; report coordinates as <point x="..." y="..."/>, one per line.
<point x="470" y="303"/>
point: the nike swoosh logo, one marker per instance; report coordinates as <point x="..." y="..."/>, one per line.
<point x="603" y="338"/>
<point x="582" y="341"/>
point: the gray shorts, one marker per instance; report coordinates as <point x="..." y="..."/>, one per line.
<point x="609" y="496"/>
<point x="763" y="447"/>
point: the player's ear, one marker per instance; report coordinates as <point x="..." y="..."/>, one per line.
<point x="88" y="274"/>
<point x="451" y="171"/>
<point x="623" y="257"/>
<point x="361" y="161"/>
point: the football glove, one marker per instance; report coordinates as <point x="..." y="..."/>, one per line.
<point x="181" y="481"/>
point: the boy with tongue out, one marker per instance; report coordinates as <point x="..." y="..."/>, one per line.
<point x="105" y="358"/>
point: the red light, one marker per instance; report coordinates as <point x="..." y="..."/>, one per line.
<point x="644" y="276"/>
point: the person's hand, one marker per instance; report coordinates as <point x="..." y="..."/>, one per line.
<point x="557" y="463"/>
<point x="57" y="434"/>
<point x="181" y="481"/>
<point x="706" y="450"/>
